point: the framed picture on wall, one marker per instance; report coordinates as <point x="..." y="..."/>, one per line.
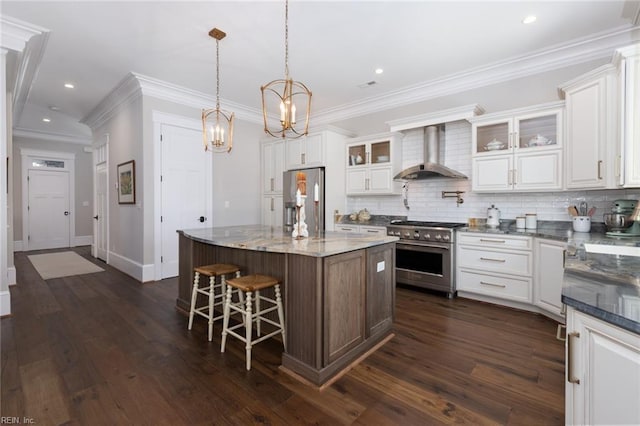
<point x="127" y="182"/>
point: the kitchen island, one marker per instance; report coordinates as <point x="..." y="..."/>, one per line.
<point x="338" y="289"/>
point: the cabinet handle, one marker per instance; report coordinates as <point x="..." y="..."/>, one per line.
<point x="600" y="169"/>
<point x="373" y="231"/>
<point x="570" y="377"/>
<point x="368" y="157"/>
<point x="564" y="258"/>
<point x="272" y="184"/>
<point x="302" y="157"/>
<point x="516" y="142"/>
<point x="484" y="240"/>
<point x="559" y="332"/>
<point x="492" y="284"/>
<point x="510" y="140"/>
<point x="488" y="259"/>
<point x="515" y="176"/>
<point x="346" y="229"/>
<point x="271" y="204"/>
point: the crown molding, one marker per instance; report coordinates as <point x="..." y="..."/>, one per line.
<point x="19" y="132"/>
<point x="596" y="46"/>
<point x="135" y="85"/>
<point x="445" y="116"/>
<point x="124" y="93"/>
<point x="171" y="92"/>
<point x="27" y="72"/>
<point x="16" y="33"/>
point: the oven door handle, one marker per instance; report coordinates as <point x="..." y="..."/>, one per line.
<point x="422" y="247"/>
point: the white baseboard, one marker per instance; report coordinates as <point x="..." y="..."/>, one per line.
<point x="5" y="303"/>
<point x="142" y="273"/>
<point x="11" y="275"/>
<point x="83" y="240"/>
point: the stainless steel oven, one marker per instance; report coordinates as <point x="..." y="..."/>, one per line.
<point x="425" y="255"/>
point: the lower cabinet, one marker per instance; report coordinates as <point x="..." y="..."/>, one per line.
<point x="602" y="372"/>
<point x="361" y="229"/>
<point x="272" y="210"/>
<point x="344" y="297"/>
<point x="495" y="266"/>
<point x="510" y="268"/>
<point x="548" y="270"/>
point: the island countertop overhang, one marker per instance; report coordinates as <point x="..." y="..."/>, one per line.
<point x="276" y="240"/>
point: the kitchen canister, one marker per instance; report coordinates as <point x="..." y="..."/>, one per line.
<point x="520" y="222"/>
<point x="581" y="223"/>
<point x="531" y="221"/>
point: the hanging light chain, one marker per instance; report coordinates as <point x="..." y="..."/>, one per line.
<point x="217" y="74"/>
<point x="286" y="39"/>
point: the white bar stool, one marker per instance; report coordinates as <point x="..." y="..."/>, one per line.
<point x="215" y="292"/>
<point x="249" y="284"/>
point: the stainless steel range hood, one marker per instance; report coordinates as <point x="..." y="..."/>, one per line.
<point x="431" y="168"/>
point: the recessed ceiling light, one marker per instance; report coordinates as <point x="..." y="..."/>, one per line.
<point x="69" y="85"/>
<point x="46" y="120"/>
<point x="529" y="19"/>
<point x="379" y="70"/>
<point x="54" y="108"/>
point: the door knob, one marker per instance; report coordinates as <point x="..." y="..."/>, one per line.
<point x="202" y="219"/>
<point x="66" y="213"/>
<point x="96" y="217"/>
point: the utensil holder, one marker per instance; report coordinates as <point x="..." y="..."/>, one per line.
<point x="581" y="223"/>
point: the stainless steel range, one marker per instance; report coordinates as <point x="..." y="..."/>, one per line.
<point x="425" y="254"/>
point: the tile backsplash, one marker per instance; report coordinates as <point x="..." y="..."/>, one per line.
<point x="425" y="196"/>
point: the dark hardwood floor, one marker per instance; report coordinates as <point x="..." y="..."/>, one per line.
<point x="104" y="349"/>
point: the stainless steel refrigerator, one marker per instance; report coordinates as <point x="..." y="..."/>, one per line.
<point x="289" y="182"/>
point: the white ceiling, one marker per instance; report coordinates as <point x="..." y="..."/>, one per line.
<point x="334" y="46"/>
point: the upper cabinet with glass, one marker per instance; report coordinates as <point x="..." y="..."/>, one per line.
<point x="532" y="128"/>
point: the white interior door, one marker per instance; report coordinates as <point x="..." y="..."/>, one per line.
<point x="49" y="214"/>
<point x="185" y="190"/>
<point x="101" y="217"/>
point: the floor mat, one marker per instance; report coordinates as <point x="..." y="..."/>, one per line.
<point x="62" y="264"/>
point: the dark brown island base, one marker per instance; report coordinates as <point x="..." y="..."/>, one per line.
<point x="338" y="289"/>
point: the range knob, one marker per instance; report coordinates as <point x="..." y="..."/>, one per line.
<point x="427" y="237"/>
<point x="407" y="234"/>
<point x="438" y="237"/>
<point x="416" y="235"/>
<point x="446" y="237"/>
<point x="397" y="233"/>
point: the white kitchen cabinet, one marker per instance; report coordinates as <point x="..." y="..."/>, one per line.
<point x="602" y="371"/>
<point x="629" y="95"/>
<point x="518" y="150"/>
<point x="272" y="210"/>
<point x="272" y="166"/>
<point x="591" y="111"/>
<point x="272" y="160"/>
<point x="372" y="162"/>
<point x="494" y="265"/>
<point x="548" y="271"/>
<point x="361" y="229"/>
<point x="304" y="152"/>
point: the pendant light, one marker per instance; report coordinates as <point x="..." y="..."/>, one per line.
<point x="217" y="124"/>
<point x="285" y="99"/>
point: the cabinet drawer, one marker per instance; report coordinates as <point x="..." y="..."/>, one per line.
<point x="495" y="240"/>
<point x="512" y="288"/>
<point x="373" y="230"/>
<point x="502" y="261"/>
<point x="348" y="228"/>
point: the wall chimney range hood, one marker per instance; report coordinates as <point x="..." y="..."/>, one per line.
<point x="431" y="168"/>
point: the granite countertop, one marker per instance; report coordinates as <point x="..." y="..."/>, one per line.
<point x="376" y="220"/>
<point x="275" y="240"/>
<point x="606" y="286"/>
<point x="554" y="230"/>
